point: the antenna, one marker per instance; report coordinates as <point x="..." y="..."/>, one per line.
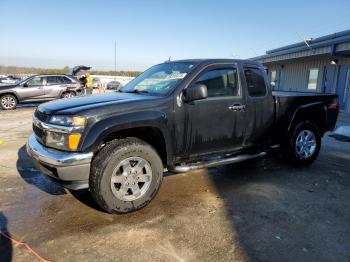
<point x="306" y="40"/>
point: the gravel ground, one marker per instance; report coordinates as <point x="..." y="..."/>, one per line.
<point x="263" y="210"/>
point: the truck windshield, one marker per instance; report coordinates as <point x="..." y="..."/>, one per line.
<point x="159" y="79"/>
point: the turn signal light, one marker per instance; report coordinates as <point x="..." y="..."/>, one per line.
<point x="73" y="141"/>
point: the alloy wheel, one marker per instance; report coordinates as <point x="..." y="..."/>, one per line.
<point x="131" y="178"/>
<point x="305" y="145"/>
<point x="8" y="102"/>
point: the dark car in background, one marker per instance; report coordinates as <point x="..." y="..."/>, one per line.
<point x="39" y="88"/>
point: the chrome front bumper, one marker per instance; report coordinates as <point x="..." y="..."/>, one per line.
<point x="66" y="168"/>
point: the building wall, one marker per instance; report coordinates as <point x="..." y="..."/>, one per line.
<point x="296" y="75"/>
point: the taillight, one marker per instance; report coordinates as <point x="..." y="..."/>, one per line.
<point x="334" y="105"/>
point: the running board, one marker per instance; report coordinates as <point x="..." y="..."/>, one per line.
<point x="214" y="163"/>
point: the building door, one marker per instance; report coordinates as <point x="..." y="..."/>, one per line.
<point x="343" y="85"/>
<point x="281" y="79"/>
<point x="329" y="76"/>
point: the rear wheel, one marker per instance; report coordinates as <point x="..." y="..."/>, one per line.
<point x="305" y="144"/>
<point x="68" y="94"/>
<point x="125" y="175"/>
<point x="8" y="102"/>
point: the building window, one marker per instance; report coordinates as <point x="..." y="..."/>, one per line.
<point x="313" y="76"/>
<point x="273" y="79"/>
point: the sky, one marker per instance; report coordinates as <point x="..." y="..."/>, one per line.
<point x="54" y="34"/>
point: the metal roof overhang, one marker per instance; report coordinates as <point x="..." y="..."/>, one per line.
<point x="323" y="47"/>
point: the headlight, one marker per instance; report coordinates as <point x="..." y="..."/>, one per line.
<point x="68" y="120"/>
<point x="60" y="138"/>
<point x="63" y="141"/>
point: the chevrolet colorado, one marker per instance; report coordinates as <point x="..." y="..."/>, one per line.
<point x="180" y="116"/>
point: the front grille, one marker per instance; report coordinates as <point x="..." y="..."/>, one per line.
<point x="41" y="116"/>
<point x="40" y="134"/>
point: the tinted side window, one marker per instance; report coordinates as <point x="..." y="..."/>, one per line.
<point x="220" y="82"/>
<point x="255" y="81"/>
<point x="53" y="80"/>
<point x="35" y="81"/>
<point x="65" y="80"/>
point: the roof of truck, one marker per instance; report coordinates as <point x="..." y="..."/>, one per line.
<point x="215" y="60"/>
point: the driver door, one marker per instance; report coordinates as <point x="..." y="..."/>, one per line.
<point x="217" y="123"/>
<point x="33" y="89"/>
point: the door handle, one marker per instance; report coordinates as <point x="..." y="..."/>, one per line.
<point x="237" y="107"/>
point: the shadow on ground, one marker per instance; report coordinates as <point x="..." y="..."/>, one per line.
<point x="6" y="248"/>
<point x="276" y="212"/>
<point x="33" y="177"/>
<point x="283" y="213"/>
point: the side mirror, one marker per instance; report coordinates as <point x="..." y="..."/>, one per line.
<point x="25" y="85"/>
<point x="195" y="92"/>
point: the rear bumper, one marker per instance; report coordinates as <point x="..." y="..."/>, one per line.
<point x="71" y="170"/>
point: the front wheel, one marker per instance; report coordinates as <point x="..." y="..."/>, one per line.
<point x="305" y="144"/>
<point x="8" y="102"/>
<point x="125" y="175"/>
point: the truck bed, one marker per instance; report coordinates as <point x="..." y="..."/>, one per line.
<point x="287" y="104"/>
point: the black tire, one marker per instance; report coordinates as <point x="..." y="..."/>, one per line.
<point x="8" y="102"/>
<point x="105" y="163"/>
<point x="295" y="150"/>
<point x="67" y="94"/>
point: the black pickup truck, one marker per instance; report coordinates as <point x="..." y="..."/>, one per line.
<point x="180" y="116"/>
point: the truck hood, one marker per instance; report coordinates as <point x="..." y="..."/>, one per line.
<point x="80" y="105"/>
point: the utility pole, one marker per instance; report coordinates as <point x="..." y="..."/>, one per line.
<point x="115" y="60"/>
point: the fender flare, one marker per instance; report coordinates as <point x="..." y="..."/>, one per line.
<point x="101" y="129"/>
<point x="314" y="112"/>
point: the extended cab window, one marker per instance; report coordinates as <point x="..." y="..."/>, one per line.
<point x="255" y="81"/>
<point x="220" y="82"/>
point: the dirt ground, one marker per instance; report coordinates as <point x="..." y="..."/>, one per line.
<point x="264" y="210"/>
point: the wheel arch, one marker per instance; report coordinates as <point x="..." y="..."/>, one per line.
<point x="150" y="134"/>
<point x="150" y="126"/>
<point x="10" y="93"/>
<point x="314" y="113"/>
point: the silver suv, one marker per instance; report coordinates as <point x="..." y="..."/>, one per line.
<point x="39" y="88"/>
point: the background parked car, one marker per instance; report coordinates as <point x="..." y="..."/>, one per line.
<point x="95" y="82"/>
<point x="39" y="88"/>
<point x="114" y="85"/>
<point x="9" y="80"/>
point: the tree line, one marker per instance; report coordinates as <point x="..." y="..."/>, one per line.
<point x="16" y="70"/>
